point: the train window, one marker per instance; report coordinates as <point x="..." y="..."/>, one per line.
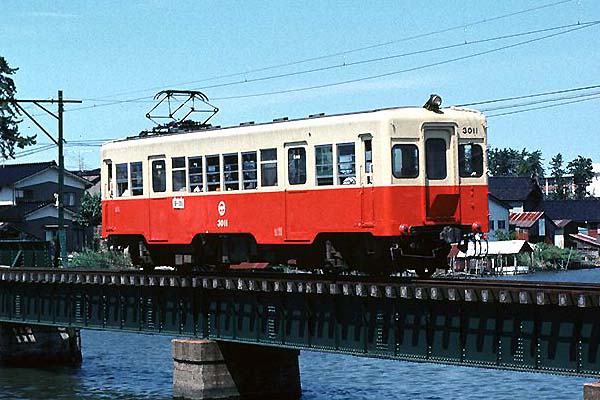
<point x="268" y="167"/>
<point x="195" y="174"/>
<point x="213" y="173"/>
<point x="405" y="161"/>
<point x="346" y="164"/>
<point x="122" y="180"/>
<point x="249" y="170"/>
<point x="109" y="172"/>
<point x="368" y="156"/>
<point x="137" y="178"/>
<point x="159" y="176"/>
<point x="231" y="170"/>
<point x="178" y="174"/>
<point x="470" y="159"/>
<point x="297" y="166"/>
<point x="324" y="164"/>
<point x="435" y="158"/>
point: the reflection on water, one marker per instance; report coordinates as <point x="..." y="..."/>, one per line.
<point x="130" y="366"/>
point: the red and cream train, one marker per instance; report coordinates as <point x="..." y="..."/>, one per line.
<point x="376" y="191"/>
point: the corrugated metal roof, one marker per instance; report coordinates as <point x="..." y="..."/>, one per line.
<point x="504" y="247"/>
<point x="561" y="223"/>
<point x="525" y="219"/>
<point x="586" y="239"/>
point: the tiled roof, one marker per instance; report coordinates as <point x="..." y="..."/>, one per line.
<point x="12" y="173"/>
<point x="512" y="188"/>
<point x="525" y="219"/>
<point x="576" y="210"/>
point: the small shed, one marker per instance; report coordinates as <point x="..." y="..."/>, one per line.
<point x="588" y="245"/>
<point x="493" y="257"/>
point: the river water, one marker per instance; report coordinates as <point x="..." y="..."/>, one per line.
<point x="132" y="366"/>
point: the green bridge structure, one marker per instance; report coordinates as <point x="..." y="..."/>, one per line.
<point x="525" y="326"/>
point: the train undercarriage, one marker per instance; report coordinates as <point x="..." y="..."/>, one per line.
<point x="423" y="251"/>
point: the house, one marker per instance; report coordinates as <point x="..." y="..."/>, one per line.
<point x="521" y="193"/>
<point x="533" y="226"/>
<point x="594" y="188"/>
<point x="499" y="220"/>
<point x="587" y="245"/>
<point x="584" y="214"/>
<point x="28" y="203"/>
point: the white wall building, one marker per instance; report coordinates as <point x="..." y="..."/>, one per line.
<point x="594" y="188"/>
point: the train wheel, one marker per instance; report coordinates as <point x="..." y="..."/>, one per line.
<point x="425" y="272"/>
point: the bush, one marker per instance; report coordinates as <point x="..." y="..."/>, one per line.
<point x="102" y="259"/>
<point x="548" y="256"/>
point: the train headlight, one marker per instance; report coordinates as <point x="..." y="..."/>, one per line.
<point x="433" y="104"/>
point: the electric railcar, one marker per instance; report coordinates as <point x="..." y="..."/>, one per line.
<point x="376" y="191"/>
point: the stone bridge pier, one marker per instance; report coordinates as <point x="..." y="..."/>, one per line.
<point x="206" y="369"/>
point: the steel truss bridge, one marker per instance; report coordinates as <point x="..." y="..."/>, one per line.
<point x="545" y="327"/>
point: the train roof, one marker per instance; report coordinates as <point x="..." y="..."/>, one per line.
<point x="412" y="111"/>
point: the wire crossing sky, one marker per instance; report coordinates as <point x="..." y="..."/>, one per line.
<point x="260" y="60"/>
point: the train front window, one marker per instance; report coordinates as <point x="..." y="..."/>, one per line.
<point x="268" y="167"/>
<point x="178" y="174"/>
<point x="213" y="173"/>
<point x="231" y="170"/>
<point x="470" y="160"/>
<point x="324" y="164"/>
<point x="159" y="176"/>
<point x="346" y="163"/>
<point x="137" y="178"/>
<point x="195" y="174"/>
<point x="122" y="180"/>
<point x="435" y="158"/>
<point x="405" y="161"/>
<point x="297" y="166"/>
<point x="249" y="170"/>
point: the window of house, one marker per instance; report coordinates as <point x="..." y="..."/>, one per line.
<point x="231" y="170"/>
<point x="405" y="161"/>
<point x="542" y="227"/>
<point x="324" y="164"/>
<point x="435" y="158"/>
<point x="492" y="224"/>
<point x="249" y="170"/>
<point x="297" y="166"/>
<point x="268" y="167"/>
<point x="122" y="180"/>
<point x="195" y="174"/>
<point x="159" y="176"/>
<point x="501" y="224"/>
<point x="346" y="163"/>
<point x="137" y="178"/>
<point x="178" y="181"/>
<point x="470" y="160"/>
<point x="213" y="173"/>
<point x="69" y="199"/>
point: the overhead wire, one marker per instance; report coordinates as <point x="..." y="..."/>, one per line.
<point x="346" y="52"/>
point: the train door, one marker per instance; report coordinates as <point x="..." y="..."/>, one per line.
<point x="159" y="205"/>
<point x="296" y="195"/>
<point x="441" y="182"/>
<point x="367" y="216"/>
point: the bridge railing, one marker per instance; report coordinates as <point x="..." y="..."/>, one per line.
<point x="25" y="253"/>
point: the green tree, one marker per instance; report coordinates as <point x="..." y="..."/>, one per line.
<point x="583" y="173"/>
<point x="558" y="173"/>
<point x="530" y="164"/>
<point x="10" y="137"/>
<point x="511" y="162"/>
<point x="90" y="210"/>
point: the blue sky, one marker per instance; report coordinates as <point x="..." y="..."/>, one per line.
<point x="114" y="50"/>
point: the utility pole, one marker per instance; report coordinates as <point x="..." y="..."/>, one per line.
<point x="62" y="237"/>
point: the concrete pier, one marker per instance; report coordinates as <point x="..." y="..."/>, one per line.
<point x="591" y="391"/>
<point x="39" y="346"/>
<point x="205" y="369"/>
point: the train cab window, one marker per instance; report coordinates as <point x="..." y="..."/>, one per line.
<point x="405" y="161"/>
<point x="268" y="167"/>
<point x="324" y="164"/>
<point x="346" y="163"/>
<point x="231" y="170"/>
<point x="249" y="170"/>
<point x="297" y="166"/>
<point x="109" y="185"/>
<point x="137" y="178"/>
<point x="122" y="180"/>
<point x="470" y="160"/>
<point x="435" y="158"/>
<point x="368" y="143"/>
<point x="213" y="173"/>
<point x="178" y="180"/>
<point x="159" y="176"/>
<point x="195" y="174"/>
